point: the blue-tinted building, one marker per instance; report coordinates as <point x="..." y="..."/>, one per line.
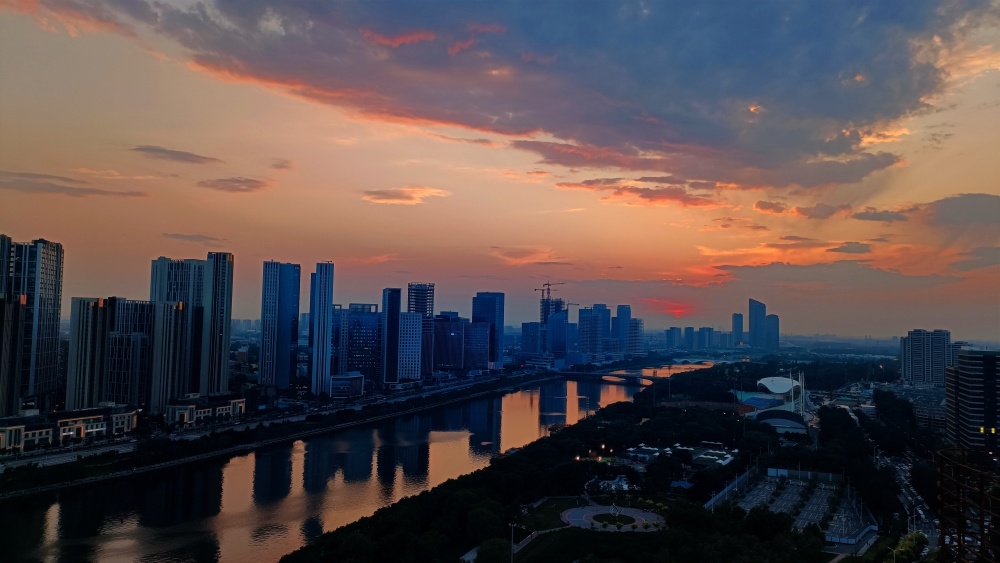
<point x="279" y="316"/>
<point x="487" y="307"/>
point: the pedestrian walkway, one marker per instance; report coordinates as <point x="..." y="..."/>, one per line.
<point x="584" y="518"/>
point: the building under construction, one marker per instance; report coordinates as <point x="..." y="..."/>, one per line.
<point x="969" y="495"/>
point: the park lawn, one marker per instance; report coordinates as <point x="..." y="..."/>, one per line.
<point x="546" y="516"/>
<point x="612" y="520"/>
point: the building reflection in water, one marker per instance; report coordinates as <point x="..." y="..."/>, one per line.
<point x="182" y="514"/>
<point x="552" y="404"/>
<point x="272" y="474"/>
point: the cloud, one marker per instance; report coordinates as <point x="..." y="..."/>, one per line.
<point x="675" y="309"/>
<point x="409" y="195"/>
<point x="160" y="153"/>
<point x="965" y="210"/>
<point x="31" y="183"/>
<point x="398" y="40"/>
<point x="978" y="258"/>
<point x="619" y="190"/>
<point x="116" y="175"/>
<point x="374" y="260"/>
<point x="688" y="89"/>
<point x="524" y="256"/>
<point x="282" y="164"/>
<point x="236" y="184"/>
<point x="840" y="277"/>
<point x="207" y="240"/>
<point x="885" y="216"/>
<point x="772" y="207"/>
<point x="852" y="248"/>
<point x="820" y="211"/>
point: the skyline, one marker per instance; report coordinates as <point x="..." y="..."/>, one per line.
<point x="835" y="162"/>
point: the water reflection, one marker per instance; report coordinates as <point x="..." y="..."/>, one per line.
<point x="259" y="506"/>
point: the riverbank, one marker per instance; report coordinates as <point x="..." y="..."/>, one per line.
<point x="289" y="432"/>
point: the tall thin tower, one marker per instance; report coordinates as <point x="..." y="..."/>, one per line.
<point x="420" y="299"/>
<point x="321" y="326"/>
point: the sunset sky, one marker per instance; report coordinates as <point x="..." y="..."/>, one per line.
<point x="839" y="161"/>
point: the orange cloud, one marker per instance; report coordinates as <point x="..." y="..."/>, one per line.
<point x="459" y="46"/>
<point x="409" y="195"/>
<point x="524" y="256"/>
<point x="399" y="40"/>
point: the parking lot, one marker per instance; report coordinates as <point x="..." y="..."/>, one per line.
<point x="760" y="494"/>
<point x="788" y="498"/>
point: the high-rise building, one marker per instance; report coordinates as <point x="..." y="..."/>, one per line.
<point x="971" y="400"/>
<point x="636" y="335"/>
<point x="218" y="313"/>
<point x="531" y="338"/>
<point x="34" y="270"/>
<point x="449" y="341"/>
<point x="411" y="344"/>
<point x="737" y="329"/>
<point x="772" y="332"/>
<point x="279" y="314"/>
<point x="321" y="327"/>
<point x="476" y="346"/>
<point x="925" y="355"/>
<point x="389" y="329"/>
<point x="556" y="334"/>
<point x="488" y="307"/>
<point x="11" y="345"/>
<point x="689" y="338"/>
<point x="420" y="299"/>
<point x="360" y="341"/>
<point x="621" y="325"/>
<point x="758" y="322"/>
<point x="205" y="288"/>
<point x="704" y="338"/>
<point x="674" y="337"/>
<point x="125" y="352"/>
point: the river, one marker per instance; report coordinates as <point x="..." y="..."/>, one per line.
<point x="262" y="505"/>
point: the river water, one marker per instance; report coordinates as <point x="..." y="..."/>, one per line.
<point x="262" y="505"/>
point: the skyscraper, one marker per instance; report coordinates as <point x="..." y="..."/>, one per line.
<point x="35" y="270"/>
<point x="412" y="340"/>
<point x="391" y="309"/>
<point x="737" y="329"/>
<point x="420" y="300"/>
<point x="971" y="400"/>
<point x="622" y="326"/>
<point x="772" y="332"/>
<point x="488" y="307"/>
<point x="279" y="314"/>
<point x="321" y="327"/>
<point x="925" y="355"/>
<point x="362" y="351"/>
<point x="205" y="288"/>
<point x="218" y="296"/>
<point x="476" y="345"/>
<point x="125" y="352"/>
<point x="758" y="328"/>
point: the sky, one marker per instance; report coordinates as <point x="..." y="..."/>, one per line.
<point x="836" y="160"/>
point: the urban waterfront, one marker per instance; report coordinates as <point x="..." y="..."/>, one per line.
<point x="269" y="502"/>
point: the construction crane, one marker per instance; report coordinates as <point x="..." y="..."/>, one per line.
<point x="546" y="289"/>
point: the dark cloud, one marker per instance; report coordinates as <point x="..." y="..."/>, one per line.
<point x="977" y="258"/>
<point x="795" y="238"/>
<point x="841" y="277"/>
<point x="31" y="176"/>
<point x="236" y="184"/>
<point x="965" y="210"/>
<point x="820" y="211"/>
<point x="770" y="207"/>
<point x="748" y="93"/>
<point x="618" y="189"/>
<point x="30" y="183"/>
<point x="282" y="164"/>
<point x="207" y="240"/>
<point x="885" y="216"/>
<point x="852" y="248"/>
<point x="160" y="153"/>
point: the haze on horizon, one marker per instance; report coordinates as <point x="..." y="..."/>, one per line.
<point x="834" y="160"/>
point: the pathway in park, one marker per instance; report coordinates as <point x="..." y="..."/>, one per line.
<point x="584" y="517"/>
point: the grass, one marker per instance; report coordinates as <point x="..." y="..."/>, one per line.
<point x="574" y="544"/>
<point x="612" y="520"/>
<point x="546" y="516"/>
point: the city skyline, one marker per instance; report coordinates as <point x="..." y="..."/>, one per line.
<point x="493" y="148"/>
